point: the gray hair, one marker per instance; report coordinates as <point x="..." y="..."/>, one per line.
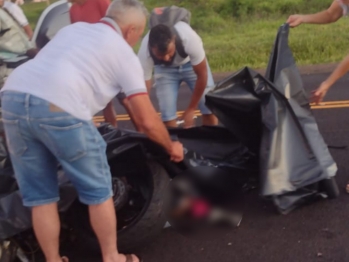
<point x="120" y="10"/>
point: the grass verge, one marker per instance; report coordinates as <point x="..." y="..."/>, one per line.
<point x="238" y="33"/>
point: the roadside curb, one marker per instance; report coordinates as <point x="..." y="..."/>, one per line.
<point x="304" y="70"/>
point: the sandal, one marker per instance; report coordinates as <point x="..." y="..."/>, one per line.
<point x="129" y="258"/>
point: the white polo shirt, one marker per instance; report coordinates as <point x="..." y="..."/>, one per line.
<point x="192" y="44"/>
<point x="16" y="12"/>
<point x="81" y="69"/>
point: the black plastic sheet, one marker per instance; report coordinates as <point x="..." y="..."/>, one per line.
<point x="271" y="115"/>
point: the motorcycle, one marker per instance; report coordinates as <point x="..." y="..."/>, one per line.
<point x="267" y="138"/>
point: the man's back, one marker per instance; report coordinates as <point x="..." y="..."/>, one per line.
<point x="77" y="70"/>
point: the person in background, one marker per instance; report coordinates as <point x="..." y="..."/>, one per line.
<point x="338" y="9"/>
<point x="13" y="38"/>
<point x="17" y="2"/>
<point x="160" y="51"/>
<point x="91" y="11"/>
<point x="17" y="13"/>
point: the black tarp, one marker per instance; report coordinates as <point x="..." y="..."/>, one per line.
<point x="271" y="115"/>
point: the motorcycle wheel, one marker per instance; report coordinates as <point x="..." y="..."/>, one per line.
<point x="148" y="225"/>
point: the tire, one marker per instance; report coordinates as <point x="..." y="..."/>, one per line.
<point x="150" y="224"/>
<point x="330" y="186"/>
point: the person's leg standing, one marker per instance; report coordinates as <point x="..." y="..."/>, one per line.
<point x="81" y="150"/>
<point x="167" y="81"/>
<point x="35" y="171"/>
<point x="189" y="76"/>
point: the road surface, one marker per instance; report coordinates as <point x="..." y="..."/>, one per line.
<point x="318" y="232"/>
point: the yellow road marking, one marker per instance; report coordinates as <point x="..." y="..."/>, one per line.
<point x="324" y="105"/>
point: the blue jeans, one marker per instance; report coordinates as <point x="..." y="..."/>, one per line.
<point x="39" y="136"/>
<point x="167" y="82"/>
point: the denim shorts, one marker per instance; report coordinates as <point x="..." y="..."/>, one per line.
<point x="167" y="81"/>
<point x="39" y="136"/>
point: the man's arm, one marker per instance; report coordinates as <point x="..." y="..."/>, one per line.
<point x="193" y="46"/>
<point x="340" y="71"/>
<point x="200" y="85"/>
<point x="129" y="77"/>
<point x="19" y="15"/>
<point x="28" y="30"/>
<point x="146" y="117"/>
<point x="199" y="89"/>
<point x="148" y="84"/>
<point x="331" y="15"/>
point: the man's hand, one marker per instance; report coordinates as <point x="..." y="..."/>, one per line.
<point x="340" y="71"/>
<point x="319" y="94"/>
<point x="188" y="117"/>
<point x="177" y="152"/>
<point x="146" y="117"/>
<point x="295" y="20"/>
<point x="31" y="53"/>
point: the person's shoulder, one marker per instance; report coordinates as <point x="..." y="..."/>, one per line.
<point x="8" y="4"/>
<point x="11" y="6"/>
<point x="183" y="26"/>
<point x="186" y="32"/>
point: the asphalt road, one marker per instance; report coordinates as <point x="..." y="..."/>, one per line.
<point x="318" y="232"/>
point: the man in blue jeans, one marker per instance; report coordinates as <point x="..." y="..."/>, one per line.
<point x="48" y="105"/>
<point x="161" y="49"/>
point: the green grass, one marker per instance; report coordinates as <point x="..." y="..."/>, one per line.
<point x="238" y="33"/>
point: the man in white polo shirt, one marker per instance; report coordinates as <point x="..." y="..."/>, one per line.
<point x="177" y="55"/>
<point x="47" y="107"/>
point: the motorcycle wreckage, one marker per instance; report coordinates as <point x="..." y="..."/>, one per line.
<point x="261" y="117"/>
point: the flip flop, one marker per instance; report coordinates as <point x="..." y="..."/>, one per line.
<point x="130" y="259"/>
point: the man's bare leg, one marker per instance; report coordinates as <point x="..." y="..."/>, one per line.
<point x="209" y="120"/>
<point x="103" y="221"/>
<point x="47" y="227"/>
